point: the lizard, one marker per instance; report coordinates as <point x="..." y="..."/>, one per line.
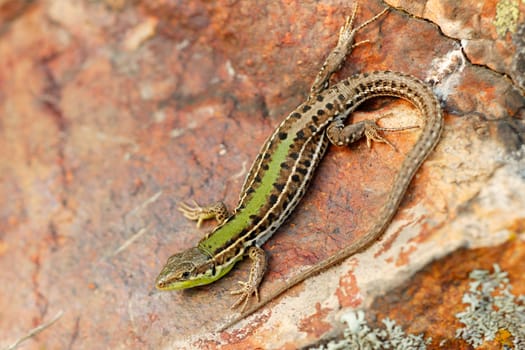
<point x="286" y="163"/>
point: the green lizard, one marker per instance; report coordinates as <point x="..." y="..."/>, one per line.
<point x="285" y="165"/>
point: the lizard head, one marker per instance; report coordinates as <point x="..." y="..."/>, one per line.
<point x="187" y="269"/>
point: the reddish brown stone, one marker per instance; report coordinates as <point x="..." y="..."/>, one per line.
<point x="114" y="112"/>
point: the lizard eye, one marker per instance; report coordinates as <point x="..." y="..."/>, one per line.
<point x="185" y="274"/>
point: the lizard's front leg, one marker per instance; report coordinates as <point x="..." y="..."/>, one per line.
<point x="251" y="287"/>
<point x="195" y="212"/>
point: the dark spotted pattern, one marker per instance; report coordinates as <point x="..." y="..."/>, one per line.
<point x="306" y="126"/>
<point x="308" y="146"/>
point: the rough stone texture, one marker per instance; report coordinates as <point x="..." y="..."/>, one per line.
<point x="486" y="30"/>
<point x="113" y="112"/>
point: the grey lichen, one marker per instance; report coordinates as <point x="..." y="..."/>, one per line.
<point x="492" y="311"/>
<point x="358" y="335"/>
<point x="518" y="61"/>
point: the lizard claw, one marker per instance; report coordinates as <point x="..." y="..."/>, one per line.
<point x="193" y="212"/>
<point x="246" y="291"/>
<point x="197" y="213"/>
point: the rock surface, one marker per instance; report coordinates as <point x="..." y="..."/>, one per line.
<point x="113" y="112"/>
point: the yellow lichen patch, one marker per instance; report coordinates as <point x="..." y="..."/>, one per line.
<point x="504" y="337"/>
<point x="507" y="13"/>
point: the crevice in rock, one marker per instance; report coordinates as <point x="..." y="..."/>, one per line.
<point x="50" y="98"/>
<point x="459" y="43"/>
